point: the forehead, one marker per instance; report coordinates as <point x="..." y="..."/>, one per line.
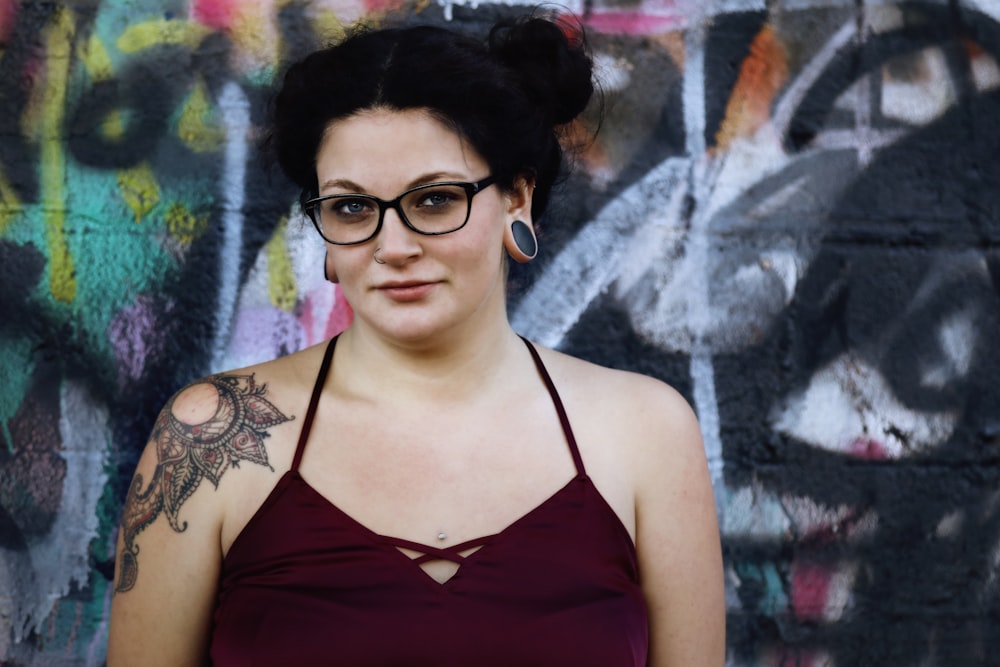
<point x="385" y="145"/>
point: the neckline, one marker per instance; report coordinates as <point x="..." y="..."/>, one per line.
<point x="291" y="476"/>
<point x="480" y="543"/>
<point x="391" y="543"/>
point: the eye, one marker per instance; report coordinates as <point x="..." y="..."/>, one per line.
<point x="349" y="209"/>
<point x="438" y="200"/>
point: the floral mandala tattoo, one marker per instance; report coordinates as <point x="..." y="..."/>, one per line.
<point x="186" y="454"/>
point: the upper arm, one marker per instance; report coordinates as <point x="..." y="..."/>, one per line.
<point x="166" y="571"/>
<point x="169" y="552"/>
<point x="677" y="536"/>
<point x="165" y="579"/>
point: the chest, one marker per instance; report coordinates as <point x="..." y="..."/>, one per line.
<point x="559" y="586"/>
<point x="439" y="478"/>
<point x="454" y="472"/>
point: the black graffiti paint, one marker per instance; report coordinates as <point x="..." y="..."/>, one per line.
<point x="909" y="249"/>
<point x="18" y="155"/>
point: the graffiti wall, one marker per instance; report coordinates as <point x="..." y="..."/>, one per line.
<point x="791" y="213"/>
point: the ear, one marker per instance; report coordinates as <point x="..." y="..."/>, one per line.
<point x="519" y="232"/>
<point x="519" y="240"/>
<point x="328" y="271"/>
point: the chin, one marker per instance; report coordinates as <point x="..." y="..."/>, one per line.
<point x="410" y="330"/>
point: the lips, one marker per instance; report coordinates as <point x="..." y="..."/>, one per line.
<point x="404" y="291"/>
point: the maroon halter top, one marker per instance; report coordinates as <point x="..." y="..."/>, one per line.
<point x="305" y="584"/>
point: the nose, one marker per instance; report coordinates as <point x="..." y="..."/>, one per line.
<point x="399" y="244"/>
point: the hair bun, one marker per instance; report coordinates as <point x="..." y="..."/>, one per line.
<point x="554" y="71"/>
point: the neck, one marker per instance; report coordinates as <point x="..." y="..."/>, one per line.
<point x="452" y="368"/>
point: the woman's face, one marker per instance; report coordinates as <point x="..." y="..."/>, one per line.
<point x="425" y="286"/>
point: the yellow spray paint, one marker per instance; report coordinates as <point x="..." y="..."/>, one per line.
<point x="10" y="203"/>
<point x="113" y="125"/>
<point x="328" y="27"/>
<point x="139" y="189"/>
<point x="163" y="31"/>
<point x="58" y="44"/>
<point x="196" y="127"/>
<point x="183" y="225"/>
<point x="97" y="62"/>
<point x="280" y="279"/>
<point x="95" y="59"/>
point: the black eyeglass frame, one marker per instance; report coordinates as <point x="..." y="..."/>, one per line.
<point x="471" y="190"/>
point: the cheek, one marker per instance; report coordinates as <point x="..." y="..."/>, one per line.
<point x="345" y="264"/>
<point x="491" y="233"/>
<point x="486" y="253"/>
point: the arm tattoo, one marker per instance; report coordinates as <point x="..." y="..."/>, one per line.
<point x="186" y="454"/>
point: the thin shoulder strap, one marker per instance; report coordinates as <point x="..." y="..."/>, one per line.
<point x="307" y="422"/>
<point x="560" y="410"/>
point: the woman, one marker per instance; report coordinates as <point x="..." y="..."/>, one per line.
<point x="428" y="488"/>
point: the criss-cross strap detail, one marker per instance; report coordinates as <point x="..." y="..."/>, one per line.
<point x="429" y="553"/>
<point x="560" y="410"/>
<point x="324" y="368"/>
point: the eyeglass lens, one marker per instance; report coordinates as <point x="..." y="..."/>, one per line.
<point x="434" y="209"/>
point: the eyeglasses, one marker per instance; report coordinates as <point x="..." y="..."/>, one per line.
<point x="432" y="210"/>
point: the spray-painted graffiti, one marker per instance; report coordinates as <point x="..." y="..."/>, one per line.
<point x="819" y="271"/>
<point x="790" y="214"/>
<point x="132" y="214"/>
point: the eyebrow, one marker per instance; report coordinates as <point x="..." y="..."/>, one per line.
<point x="341" y="183"/>
<point x="350" y="187"/>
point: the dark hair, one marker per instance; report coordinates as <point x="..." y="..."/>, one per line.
<point x="506" y="96"/>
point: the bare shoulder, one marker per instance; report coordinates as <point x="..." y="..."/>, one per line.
<point x="207" y="429"/>
<point x="651" y="418"/>
<point x="213" y="454"/>
<point x="645" y="444"/>
<point x="655" y="432"/>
